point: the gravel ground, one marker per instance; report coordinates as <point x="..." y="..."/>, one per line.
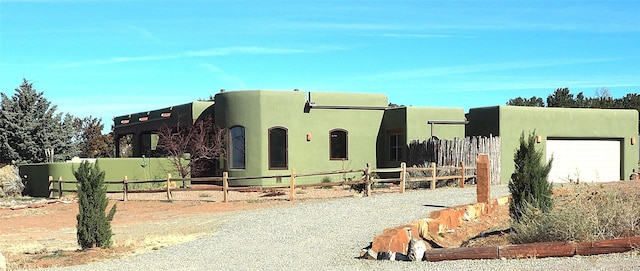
<point x="329" y="235"/>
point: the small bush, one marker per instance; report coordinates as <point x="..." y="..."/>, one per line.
<point x="326" y="179"/>
<point x="529" y="185"/>
<point x="359" y="188"/>
<point x="586" y="214"/>
<point x="94" y="225"/>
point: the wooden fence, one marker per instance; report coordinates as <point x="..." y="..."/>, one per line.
<point x="171" y="184"/>
<point x="453" y="152"/>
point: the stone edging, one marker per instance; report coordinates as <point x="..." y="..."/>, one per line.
<point x="394" y="243"/>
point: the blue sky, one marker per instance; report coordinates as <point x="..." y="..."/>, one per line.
<point x="111" y="58"/>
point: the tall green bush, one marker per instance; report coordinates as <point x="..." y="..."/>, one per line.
<point x="529" y="184"/>
<point x="94" y="225"/>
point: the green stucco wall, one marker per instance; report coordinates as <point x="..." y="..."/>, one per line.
<point x="136" y="169"/>
<point x="257" y="111"/>
<point x="509" y="122"/>
<point x="418" y="129"/>
<point x="412" y="123"/>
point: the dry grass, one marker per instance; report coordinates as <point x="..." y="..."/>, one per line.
<point x="582" y="212"/>
<point x="154" y="242"/>
<point x="34" y="253"/>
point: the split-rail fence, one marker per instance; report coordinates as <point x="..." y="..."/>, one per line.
<point x="368" y="179"/>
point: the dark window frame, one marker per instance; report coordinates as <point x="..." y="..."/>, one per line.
<point x="286" y="148"/>
<point x="232" y="146"/>
<point x="395" y="149"/>
<point x="346" y="144"/>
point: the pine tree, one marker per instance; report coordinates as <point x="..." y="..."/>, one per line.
<point x="29" y="125"/>
<point x="94" y="226"/>
<point x="529" y="185"/>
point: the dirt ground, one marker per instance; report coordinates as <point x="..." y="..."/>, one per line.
<point x="39" y="233"/>
<point x="45" y="235"/>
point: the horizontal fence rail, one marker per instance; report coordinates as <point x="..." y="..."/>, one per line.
<point x="432" y="174"/>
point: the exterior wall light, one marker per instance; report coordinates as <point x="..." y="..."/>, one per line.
<point x="538" y="139"/>
<point x="309" y="137"/>
<point x="633" y="141"/>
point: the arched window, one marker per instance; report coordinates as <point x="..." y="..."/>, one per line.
<point x="237" y="152"/>
<point x="338" y="144"/>
<point x="278" y="148"/>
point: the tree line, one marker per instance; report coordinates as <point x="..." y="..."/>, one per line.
<point x="562" y="97"/>
<point x="33" y="131"/>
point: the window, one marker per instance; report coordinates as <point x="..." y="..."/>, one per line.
<point x="278" y="148"/>
<point x="338" y="144"/>
<point x="395" y="147"/>
<point x="237" y="152"/>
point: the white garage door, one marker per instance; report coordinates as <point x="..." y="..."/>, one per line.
<point x="584" y="160"/>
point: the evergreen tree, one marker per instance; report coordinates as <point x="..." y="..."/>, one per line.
<point x="561" y="97"/>
<point x="533" y="101"/>
<point x="94" y="226"/>
<point x="29" y="125"/>
<point x="529" y="185"/>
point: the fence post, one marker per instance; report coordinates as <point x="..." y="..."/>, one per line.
<point x="483" y="176"/>
<point x="403" y="174"/>
<point x="125" y="187"/>
<point x="51" y="186"/>
<point x="225" y="186"/>
<point x="292" y="184"/>
<point x="434" y="176"/>
<point x="367" y="181"/>
<point x="461" y="174"/>
<point x="59" y="187"/>
<point x="168" y="186"/>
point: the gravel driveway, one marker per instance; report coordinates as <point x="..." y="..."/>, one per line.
<point x="329" y="235"/>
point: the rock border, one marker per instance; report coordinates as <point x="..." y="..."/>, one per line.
<point x="399" y="243"/>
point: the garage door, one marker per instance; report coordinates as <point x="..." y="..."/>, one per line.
<point x="584" y="160"/>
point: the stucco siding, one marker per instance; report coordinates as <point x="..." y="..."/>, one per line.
<point x="418" y="129"/>
<point x="307" y="130"/>
<point x="547" y="123"/>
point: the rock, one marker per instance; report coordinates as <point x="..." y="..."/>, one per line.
<point x="401" y="257"/>
<point x="416" y="250"/>
<point x="3" y="263"/>
<point x="369" y="254"/>
<point x="392" y="239"/>
<point x="386" y="255"/>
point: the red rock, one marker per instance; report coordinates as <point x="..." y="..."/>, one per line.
<point x="394" y="240"/>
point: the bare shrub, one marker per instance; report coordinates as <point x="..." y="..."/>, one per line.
<point x="10" y="182"/>
<point x="586" y="213"/>
<point x="193" y="148"/>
